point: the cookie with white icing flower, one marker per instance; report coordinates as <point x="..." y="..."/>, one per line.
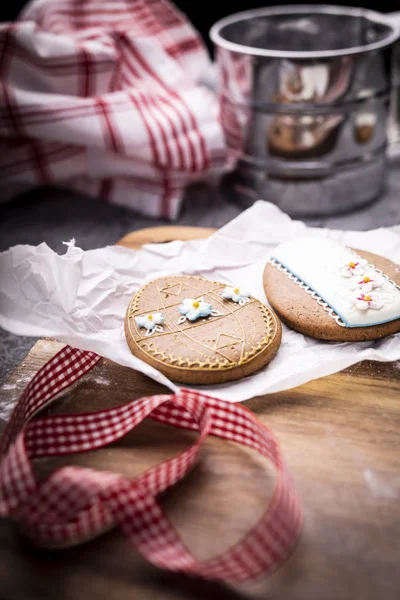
<point x="198" y="331"/>
<point x="332" y="292"/>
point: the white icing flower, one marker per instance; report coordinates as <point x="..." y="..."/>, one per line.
<point x="365" y="301"/>
<point x="368" y="283"/>
<point x="239" y="295"/>
<point x="192" y="309"/>
<point x="355" y="267"/>
<point x="151" y="322"/>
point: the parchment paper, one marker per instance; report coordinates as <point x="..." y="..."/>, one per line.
<point x="81" y="297"/>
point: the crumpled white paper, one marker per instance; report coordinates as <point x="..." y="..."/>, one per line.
<point x="81" y="297"/>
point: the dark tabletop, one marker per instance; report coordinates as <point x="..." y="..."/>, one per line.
<point x="54" y="216"/>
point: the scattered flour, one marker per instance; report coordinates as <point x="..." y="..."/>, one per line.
<point x="9" y="400"/>
<point x="8" y="386"/>
<point x="7" y="405"/>
<point x="379" y="488"/>
<point x="25" y="379"/>
<point x="101" y="380"/>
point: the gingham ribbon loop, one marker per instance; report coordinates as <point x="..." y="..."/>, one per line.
<point x="76" y="503"/>
<point x="17" y="481"/>
<point x="57" y="374"/>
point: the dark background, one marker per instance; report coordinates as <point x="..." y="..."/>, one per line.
<point x="204" y="13"/>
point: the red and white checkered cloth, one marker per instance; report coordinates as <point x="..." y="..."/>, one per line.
<point x="75" y="504"/>
<point x="103" y="96"/>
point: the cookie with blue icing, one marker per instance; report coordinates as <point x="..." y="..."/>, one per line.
<point x="199" y="331"/>
<point x="332" y="292"/>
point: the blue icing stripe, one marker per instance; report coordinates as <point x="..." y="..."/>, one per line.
<point x="313" y="289"/>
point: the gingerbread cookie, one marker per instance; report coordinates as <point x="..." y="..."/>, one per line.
<point x="198" y="331"/>
<point x="331" y="292"/>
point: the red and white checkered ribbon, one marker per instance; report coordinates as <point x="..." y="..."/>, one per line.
<point x="104" y="96"/>
<point x="77" y="503"/>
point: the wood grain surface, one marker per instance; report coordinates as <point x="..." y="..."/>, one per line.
<point x="340" y="438"/>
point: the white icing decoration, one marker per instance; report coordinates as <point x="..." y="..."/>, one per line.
<point x="236" y="294"/>
<point x="192" y="309"/>
<point x="152" y="322"/>
<point x="354" y="267"/>
<point x="363" y="301"/>
<point x="342" y="280"/>
<point x="369" y="282"/>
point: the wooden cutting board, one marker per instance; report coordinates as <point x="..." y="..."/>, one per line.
<point x="340" y="436"/>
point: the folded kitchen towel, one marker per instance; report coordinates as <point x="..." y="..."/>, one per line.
<point x="104" y="96"/>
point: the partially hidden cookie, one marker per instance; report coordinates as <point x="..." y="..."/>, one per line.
<point x="198" y="331"/>
<point x="332" y="292"/>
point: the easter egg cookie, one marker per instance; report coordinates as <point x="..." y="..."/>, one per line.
<point x="332" y="292"/>
<point x="198" y="331"/>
